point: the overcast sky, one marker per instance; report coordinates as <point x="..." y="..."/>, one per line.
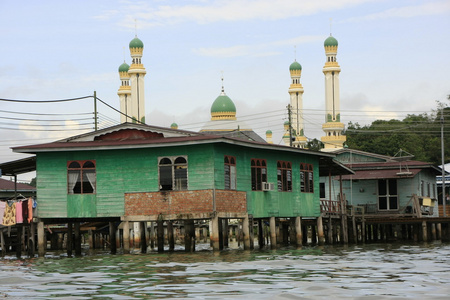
<point x="394" y="57"/>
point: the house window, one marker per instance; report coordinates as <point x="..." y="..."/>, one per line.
<point x="322" y="190"/>
<point x="387" y="194"/>
<point x="259" y="173"/>
<point x="230" y="172"/>
<point x="428" y="189"/>
<point x="81" y="177"/>
<point x="306" y="178"/>
<point x="284" y="176"/>
<point x="173" y="173"/>
<point x="422" y="188"/>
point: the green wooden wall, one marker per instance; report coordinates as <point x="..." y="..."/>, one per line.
<point x="136" y="170"/>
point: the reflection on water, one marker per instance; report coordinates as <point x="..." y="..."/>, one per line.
<point x="376" y="271"/>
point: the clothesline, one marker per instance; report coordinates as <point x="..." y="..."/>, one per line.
<point x="17" y="211"/>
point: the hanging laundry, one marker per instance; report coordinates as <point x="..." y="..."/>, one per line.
<point x="2" y="210"/>
<point x="9" y="218"/>
<point x="30" y="210"/>
<point x="19" y="216"/>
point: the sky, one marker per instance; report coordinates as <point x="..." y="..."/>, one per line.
<point x="394" y="58"/>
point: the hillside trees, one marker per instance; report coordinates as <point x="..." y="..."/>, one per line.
<point x="419" y="135"/>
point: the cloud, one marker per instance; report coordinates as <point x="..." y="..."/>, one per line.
<point x="426" y="9"/>
<point x="259" y="50"/>
<point x="205" y="12"/>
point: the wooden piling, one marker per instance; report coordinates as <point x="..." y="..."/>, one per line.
<point x="320" y="235"/>
<point x="273" y="233"/>
<point x="77" y="239"/>
<point x="170" y="236"/>
<point x="126" y="237"/>
<point x="246" y="232"/>
<point x="214" y="232"/>
<point x="298" y="231"/>
<point x="41" y="239"/>
<point x="160" y="235"/>
<point x="112" y="237"/>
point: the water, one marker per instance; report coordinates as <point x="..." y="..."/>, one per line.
<point x="375" y="271"/>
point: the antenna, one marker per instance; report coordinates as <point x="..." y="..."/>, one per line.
<point x="135" y="27"/>
<point x="331" y="25"/>
<point x="295" y="52"/>
<point x="223" y="90"/>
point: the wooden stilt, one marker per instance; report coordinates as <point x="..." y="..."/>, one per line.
<point x="424" y="231"/>
<point x="19" y="241"/>
<point x="160" y="235"/>
<point x="433" y="231"/>
<point x="214" y="232"/>
<point x="438" y="231"/>
<point x="330" y="231"/>
<point x="170" y="236"/>
<point x="32" y="240"/>
<point x="261" y="240"/>
<point x="41" y="239"/>
<point x="77" y="239"/>
<point x="2" y="243"/>
<point x="69" y="239"/>
<point x="143" y="238"/>
<point x="225" y="232"/>
<point x="246" y="232"/>
<point x="221" y="233"/>
<point x="112" y="237"/>
<point x="273" y="233"/>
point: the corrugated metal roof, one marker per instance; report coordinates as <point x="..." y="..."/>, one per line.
<point x="9" y="185"/>
<point x="20" y="166"/>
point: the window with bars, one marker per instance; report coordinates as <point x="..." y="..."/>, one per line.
<point x="81" y="177"/>
<point x="259" y="173"/>
<point x="230" y="172"/>
<point x="306" y="178"/>
<point x="284" y="176"/>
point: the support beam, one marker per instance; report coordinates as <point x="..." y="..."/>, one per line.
<point x="41" y="239"/>
<point x="246" y="231"/>
<point x="424" y="231"/>
<point x="77" y="239"/>
<point x="273" y="233"/>
<point x="160" y="235"/>
<point x="320" y="235"/>
<point x="214" y="232"/>
<point x="298" y="231"/>
<point x="143" y="239"/>
<point x="69" y="239"/>
<point x="126" y="237"/>
<point x="170" y="235"/>
<point x="112" y="237"/>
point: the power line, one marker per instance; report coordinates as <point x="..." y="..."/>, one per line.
<point x="45" y="101"/>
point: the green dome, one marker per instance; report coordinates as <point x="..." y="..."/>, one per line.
<point x="269" y="132"/>
<point x="124" y="67"/>
<point x="136" y="43"/>
<point x="174" y="125"/>
<point x="295" y="66"/>
<point x="330" y="41"/>
<point x="223" y="103"/>
<point x="286" y="123"/>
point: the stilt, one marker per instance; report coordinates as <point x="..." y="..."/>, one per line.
<point x="313" y="235"/>
<point x="363" y="230"/>
<point x="433" y="231"/>
<point x="354" y="230"/>
<point x="170" y="235"/>
<point x="273" y="233"/>
<point x="41" y="239"/>
<point x="246" y="232"/>
<point x="251" y="232"/>
<point x="298" y="231"/>
<point x="160" y="235"/>
<point x="320" y="235"/>
<point x="69" y="239"/>
<point x="438" y="231"/>
<point x="77" y="239"/>
<point x="31" y="240"/>
<point x="2" y="243"/>
<point x="221" y="233"/>
<point x="330" y="231"/>
<point x="91" y="239"/>
<point x="19" y="241"/>
<point x="112" y="237"/>
<point x="225" y="232"/>
<point x="285" y="233"/>
<point x="260" y="234"/>
<point x="126" y="237"/>
<point x="424" y="231"/>
<point x="214" y="232"/>
<point x="189" y="237"/>
<point x="143" y="238"/>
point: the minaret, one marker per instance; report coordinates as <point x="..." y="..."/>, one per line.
<point x="296" y="96"/>
<point x="137" y="73"/>
<point x="333" y="127"/>
<point x="269" y="138"/>
<point x="124" y="93"/>
<point x="287" y="134"/>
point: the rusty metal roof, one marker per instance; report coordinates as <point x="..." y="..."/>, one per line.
<point x="382" y="174"/>
<point x="20" y="166"/>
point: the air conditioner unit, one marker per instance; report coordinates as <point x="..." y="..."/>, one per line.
<point x="267" y="186"/>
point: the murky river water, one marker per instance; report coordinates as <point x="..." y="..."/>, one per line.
<point x="375" y="271"/>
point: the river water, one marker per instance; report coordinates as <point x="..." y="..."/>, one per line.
<point x="372" y="271"/>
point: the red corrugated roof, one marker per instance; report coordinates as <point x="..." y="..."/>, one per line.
<point x="9" y="185"/>
<point x="382" y="174"/>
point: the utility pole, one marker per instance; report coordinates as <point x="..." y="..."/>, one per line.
<point x="290" y="125"/>
<point x="443" y="163"/>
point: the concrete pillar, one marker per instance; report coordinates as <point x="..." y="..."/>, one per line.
<point x="320" y="235"/>
<point x="273" y="233"/>
<point x="225" y="231"/>
<point x="19" y="229"/>
<point x="260" y="234"/>
<point x="438" y="231"/>
<point x="126" y="237"/>
<point x="214" y="232"/>
<point x="91" y="239"/>
<point x="143" y="238"/>
<point x="298" y="231"/>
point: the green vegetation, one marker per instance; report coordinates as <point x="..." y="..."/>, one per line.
<point x="419" y="135"/>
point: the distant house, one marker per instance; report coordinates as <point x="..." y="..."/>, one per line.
<point x="385" y="185"/>
<point x="9" y="189"/>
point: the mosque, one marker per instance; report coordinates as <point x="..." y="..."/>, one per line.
<point x="223" y="110"/>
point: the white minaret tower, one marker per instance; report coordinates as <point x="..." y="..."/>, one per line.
<point x="124" y="93"/>
<point x="137" y="73"/>
<point x="296" y="96"/>
<point x="332" y="127"/>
